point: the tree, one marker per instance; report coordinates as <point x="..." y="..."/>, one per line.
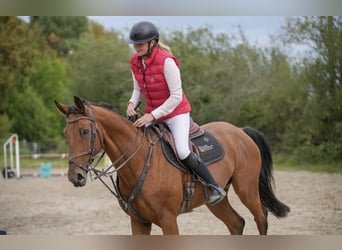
<point x="49" y="81"/>
<point x="30" y="116"/>
<point x="62" y="32"/>
<point x="32" y="78"/>
<point x="204" y="70"/>
<point x="99" y="68"/>
<point x="33" y="113"/>
<point x="321" y="72"/>
<point x="20" y="47"/>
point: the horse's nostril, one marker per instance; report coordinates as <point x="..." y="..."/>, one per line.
<point x="80" y="177"/>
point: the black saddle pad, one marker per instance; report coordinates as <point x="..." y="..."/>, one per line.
<point x="210" y="150"/>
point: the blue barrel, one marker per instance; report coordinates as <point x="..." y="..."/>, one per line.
<point x="45" y="170"/>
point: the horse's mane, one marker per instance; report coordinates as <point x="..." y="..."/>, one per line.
<point x="105" y="105"/>
<point x="74" y="110"/>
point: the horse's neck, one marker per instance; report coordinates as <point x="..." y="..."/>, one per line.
<point x="121" y="138"/>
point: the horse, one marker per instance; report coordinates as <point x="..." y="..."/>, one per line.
<point x="150" y="188"/>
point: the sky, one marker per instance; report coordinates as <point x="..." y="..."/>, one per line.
<point x="257" y="29"/>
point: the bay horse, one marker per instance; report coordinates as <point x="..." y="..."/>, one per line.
<point x="150" y="189"/>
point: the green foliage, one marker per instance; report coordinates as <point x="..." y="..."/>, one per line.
<point x="297" y="105"/>
<point x="205" y="75"/>
<point x="33" y="78"/>
<point x="233" y="81"/>
<point x="48" y="79"/>
<point x="62" y="32"/>
<point x="30" y="116"/>
<point x="320" y="124"/>
<point x="99" y="68"/>
<point x="20" y="47"/>
<point x="49" y="82"/>
<point x="6" y="127"/>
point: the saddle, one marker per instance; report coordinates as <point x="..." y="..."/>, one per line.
<point x="202" y="143"/>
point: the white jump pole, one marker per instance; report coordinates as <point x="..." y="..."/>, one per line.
<point x="14" y="139"/>
<point x="17" y="156"/>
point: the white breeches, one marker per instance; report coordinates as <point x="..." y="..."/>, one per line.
<point x="180" y="126"/>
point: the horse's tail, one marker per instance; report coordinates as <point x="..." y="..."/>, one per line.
<point x="267" y="196"/>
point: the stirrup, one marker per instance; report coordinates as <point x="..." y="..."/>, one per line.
<point x="218" y="192"/>
<point x="217" y="188"/>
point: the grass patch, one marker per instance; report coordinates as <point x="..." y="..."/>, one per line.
<point x="35" y="163"/>
<point x="326" y="168"/>
<point x="59" y="163"/>
<point x="280" y="163"/>
<point x="290" y="164"/>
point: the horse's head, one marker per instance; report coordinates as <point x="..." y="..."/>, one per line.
<point x="82" y="137"/>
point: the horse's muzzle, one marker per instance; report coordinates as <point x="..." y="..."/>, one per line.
<point x="78" y="179"/>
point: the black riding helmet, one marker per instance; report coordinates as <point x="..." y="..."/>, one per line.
<point x="143" y="32"/>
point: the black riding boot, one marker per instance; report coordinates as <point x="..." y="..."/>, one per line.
<point x="198" y="166"/>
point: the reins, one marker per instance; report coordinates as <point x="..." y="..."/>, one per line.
<point x="127" y="204"/>
<point x="100" y="173"/>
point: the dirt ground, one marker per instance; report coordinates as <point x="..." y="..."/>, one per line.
<point x="37" y="206"/>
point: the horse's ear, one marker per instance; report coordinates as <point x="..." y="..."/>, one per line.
<point x="64" y="109"/>
<point x="79" y="104"/>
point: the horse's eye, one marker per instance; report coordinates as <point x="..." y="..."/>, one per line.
<point x="84" y="132"/>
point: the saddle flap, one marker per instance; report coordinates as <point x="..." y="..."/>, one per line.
<point x="201" y="143"/>
<point x="194" y="132"/>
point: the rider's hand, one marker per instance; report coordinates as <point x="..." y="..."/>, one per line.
<point x="146" y="118"/>
<point x="131" y="109"/>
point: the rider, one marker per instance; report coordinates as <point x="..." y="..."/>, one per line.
<point x="156" y="77"/>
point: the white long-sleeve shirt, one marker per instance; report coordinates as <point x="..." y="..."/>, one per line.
<point x="174" y="82"/>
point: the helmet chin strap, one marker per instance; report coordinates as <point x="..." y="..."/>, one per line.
<point x="149" y="51"/>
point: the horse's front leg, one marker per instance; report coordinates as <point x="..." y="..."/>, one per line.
<point x="140" y="228"/>
<point x="169" y="225"/>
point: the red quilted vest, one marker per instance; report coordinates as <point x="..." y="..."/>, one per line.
<point x="153" y="84"/>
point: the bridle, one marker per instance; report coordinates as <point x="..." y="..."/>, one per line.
<point x="91" y="151"/>
<point x="88" y="167"/>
